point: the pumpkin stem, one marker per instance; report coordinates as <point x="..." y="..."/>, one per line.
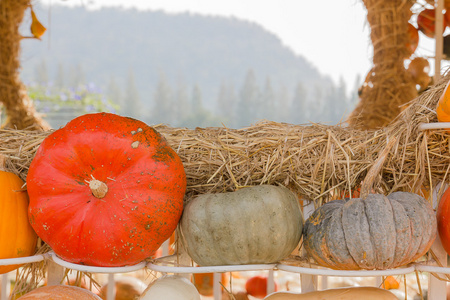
<point x="366" y="187"/>
<point x="98" y="188"/>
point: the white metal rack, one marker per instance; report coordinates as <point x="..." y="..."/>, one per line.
<point x="436" y="287"/>
<point x="158" y="265"/>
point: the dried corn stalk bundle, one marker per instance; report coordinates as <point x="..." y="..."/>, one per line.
<point x="388" y="85"/>
<point x="13" y="95"/>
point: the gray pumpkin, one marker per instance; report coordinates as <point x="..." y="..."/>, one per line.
<point x="255" y="225"/>
<point x="378" y="232"/>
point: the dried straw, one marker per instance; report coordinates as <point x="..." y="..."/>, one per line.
<point x="388" y="85"/>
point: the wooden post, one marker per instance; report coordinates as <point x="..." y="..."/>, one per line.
<point x="55" y="273"/>
<point x="308" y="282"/>
<point x="5" y="287"/>
<point x="439" y="39"/>
<point x="437" y="289"/>
<point x="111" y="290"/>
<point x="270" y="282"/>
<point x="217" y="288"/>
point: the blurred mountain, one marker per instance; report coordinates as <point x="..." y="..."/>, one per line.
<point x="116" y="48"/>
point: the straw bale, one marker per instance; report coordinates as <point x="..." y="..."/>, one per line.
<point x="388" y="85"/>
<point x="316" y="161"/>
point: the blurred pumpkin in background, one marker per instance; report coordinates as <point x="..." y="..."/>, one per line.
<point x="426" y="20"/>
<point x="127" y="287"/>
<point x="413" y="38"/>
<point x="419" y="68"/>
<point x="256" y="286"/>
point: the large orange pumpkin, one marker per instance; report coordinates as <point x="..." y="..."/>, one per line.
<point x="60" y="292"/>
<point x="105" y="190"/>
<point x="17" y="237"/>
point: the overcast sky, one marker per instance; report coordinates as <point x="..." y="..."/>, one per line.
<point x="333" y="35"/>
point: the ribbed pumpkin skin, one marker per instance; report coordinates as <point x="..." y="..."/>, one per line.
<point x="141" y="209"/>
<point x="255" y="225"/>
<point x="376" y="233"/>
<point x="17" y="237"/>
<point x="60" y="292"/>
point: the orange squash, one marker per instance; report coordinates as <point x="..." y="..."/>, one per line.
<point x="443" y="107"/>
<point x="17" y="237"/>
<point x="60" y="292"/>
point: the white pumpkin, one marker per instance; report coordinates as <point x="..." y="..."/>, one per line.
<point x="254" y="225"/>
<point x="172" y="287"/>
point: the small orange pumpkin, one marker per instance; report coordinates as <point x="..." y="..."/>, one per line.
<point x="390" y="283"/>
<point x="17" y="237"/>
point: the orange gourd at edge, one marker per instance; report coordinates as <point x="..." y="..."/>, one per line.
<point x="443" y="107"/>
<point x="17" y="237"/>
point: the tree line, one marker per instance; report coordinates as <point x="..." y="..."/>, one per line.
<point x="234" y="105"/>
